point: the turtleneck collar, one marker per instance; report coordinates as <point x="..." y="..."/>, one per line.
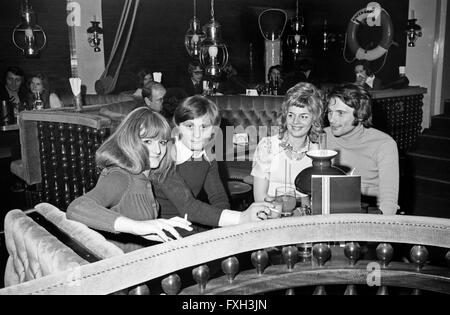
<point x="355" y="133"/>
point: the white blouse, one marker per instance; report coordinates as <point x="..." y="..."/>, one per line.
<point x="270" y="162"/>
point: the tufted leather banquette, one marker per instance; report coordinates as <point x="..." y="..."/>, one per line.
<point x="52" y="140"/>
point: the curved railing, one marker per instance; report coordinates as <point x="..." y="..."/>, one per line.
<point x="128" y="270"/>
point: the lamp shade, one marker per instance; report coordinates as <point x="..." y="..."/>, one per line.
<point x="297" y="40"/>
<point x="25" y="35"/>
<point x="193" y="38"/>
<point x="213" y="51"/>
<point x="321" y="165"/>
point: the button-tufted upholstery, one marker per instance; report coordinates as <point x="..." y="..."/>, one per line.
<point x="240" y="110"/>
<point x="35" y="253"/>
<point x="247" y="114"/>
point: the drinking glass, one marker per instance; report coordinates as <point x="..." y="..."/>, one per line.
<point x="286" y="195"/>
<point x="322" y="141"/>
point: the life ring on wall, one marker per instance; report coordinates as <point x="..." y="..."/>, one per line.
<point x="372" y="15"/>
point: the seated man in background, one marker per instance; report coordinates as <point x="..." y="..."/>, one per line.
<point x="366" y="151"/>
<point x="365" y="77"/>
<point x="153" y="95"/>
<point x="13" y="88"/>
<point x="275" y="82"/>
<point x="193" y="84"/>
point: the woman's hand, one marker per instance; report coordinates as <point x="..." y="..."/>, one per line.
<point x="154" y="230"/>
<point x="256" y="212"/>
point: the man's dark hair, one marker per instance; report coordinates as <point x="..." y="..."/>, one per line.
<point x="150" y="87"/>
<point x="356" y="97"/>
<point x="366" y="66"/>
<point x="172" y="98"/>
<point x="16" y="71"/>
<point x="274" y="67"/>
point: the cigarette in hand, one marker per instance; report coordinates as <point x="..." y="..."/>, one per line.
<point x="185" y="216"/>
<point x="275" y="210"/>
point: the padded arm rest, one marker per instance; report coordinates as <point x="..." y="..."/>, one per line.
<point x="90" y="239"/>
<point x="34" y="252"/>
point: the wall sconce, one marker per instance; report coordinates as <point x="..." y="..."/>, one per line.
<point x="413" y="30"/>
<point x="213" y="51"/>
<point x="94" y="32"/>
<point x="297" y="41"/>
<point x="194" y="36"/>
<point x="28" y="44"/>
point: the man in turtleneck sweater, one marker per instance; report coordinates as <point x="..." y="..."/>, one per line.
<point x="365" y="151"/>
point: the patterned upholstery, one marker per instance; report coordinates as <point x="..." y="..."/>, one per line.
<point x="35" y="253"/>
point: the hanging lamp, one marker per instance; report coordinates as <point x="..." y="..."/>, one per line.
<point x="213" y="51"/>
<point x="194" y="36"/>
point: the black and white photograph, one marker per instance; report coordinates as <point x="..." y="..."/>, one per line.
<point x="251" y="149"/>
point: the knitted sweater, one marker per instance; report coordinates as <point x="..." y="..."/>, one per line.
<point x="373" y="155"/>
<point x="177" y="195"/>
<point x="117" y="193"/>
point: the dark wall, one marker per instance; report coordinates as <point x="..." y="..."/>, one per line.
<point x="157" y="40"/>
<point x="55" y="58"/>
<point x="446" y="75"/>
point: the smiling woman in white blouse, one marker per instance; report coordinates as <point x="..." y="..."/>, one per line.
<point x="279" y="158"/>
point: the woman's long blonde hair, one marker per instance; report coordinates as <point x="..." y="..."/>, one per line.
<point x="125" y="149"/>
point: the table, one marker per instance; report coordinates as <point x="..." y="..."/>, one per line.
<point x="9" y="127"/>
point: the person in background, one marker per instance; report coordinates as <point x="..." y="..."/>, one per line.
<point x="172" y="98"/>
<point x="366" y="151"/>
<point x="231" y="82"/>
<point x="13" y="88"/>
<point x="194" y="83"/>
<point x="39" y="85"/>
<point x="145" y="77"/>
<point x="275" y="82"/>
<point x="122" y="203"/>
<point x="365" y="77"/>
<point x="153" y="95"/>
<point x="13" y="91"/>
<point x="286" y="151"/>
<point x="275" y="74"/>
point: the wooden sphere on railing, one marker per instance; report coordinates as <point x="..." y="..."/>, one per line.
<point x="385" y="252"/>
<point x="290" y="256"/>
<point x="171" y="285"/>
<point x="322" y="253"/>
<point x="290" y="291"/>
<point x="383" y="290"/>
<point x="260" y="260"/>
<point x="140" y="290"/>
<point x="447" y="258"/>
<point x="320" y="290"/>
<point x="351" y="290"/>
<point x="230" y="267"/>
<point x="352" y="251"/>
<point x="201" y="276"/>
<point x="419" y="255"/>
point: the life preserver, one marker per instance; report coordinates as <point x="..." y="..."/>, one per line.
<point x="387" y="29"/>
